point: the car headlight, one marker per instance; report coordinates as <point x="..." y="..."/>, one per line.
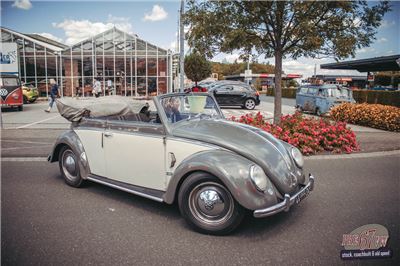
<point x="258" y="177"/>
<point x="297" y="156"/>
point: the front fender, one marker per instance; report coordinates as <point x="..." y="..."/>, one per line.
<point x="234" y="172"/>
<point x="71" y="139"/>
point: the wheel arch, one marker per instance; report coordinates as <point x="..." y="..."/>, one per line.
<point x="231" y="169"/>
<point x="70" y="139"/>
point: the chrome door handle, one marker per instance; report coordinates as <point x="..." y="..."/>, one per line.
<point x="108" y="134"/>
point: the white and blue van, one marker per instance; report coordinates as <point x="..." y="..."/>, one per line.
<point x="319" y="99"/>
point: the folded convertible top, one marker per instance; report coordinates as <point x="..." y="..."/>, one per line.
<point x="75" y="109"/>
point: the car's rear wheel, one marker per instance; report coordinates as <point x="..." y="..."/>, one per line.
<point x="20" y="108"/>
<point x="208" y="206"/>
<point x="250" y="104"/>
<point x="68" y="162"/>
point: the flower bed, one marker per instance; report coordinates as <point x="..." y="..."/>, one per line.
<point x="308" y="134"/>
<point x="371" y="115"/>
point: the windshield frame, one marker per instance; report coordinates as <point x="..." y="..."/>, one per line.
<point x="163" y="116"/>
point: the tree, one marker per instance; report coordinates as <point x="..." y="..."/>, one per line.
<point x="226" y="69"/>
<point x="283" y="28"/>
<point x="197" y="67"/>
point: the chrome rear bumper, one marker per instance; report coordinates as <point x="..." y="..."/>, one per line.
<point x="287" y="202"/>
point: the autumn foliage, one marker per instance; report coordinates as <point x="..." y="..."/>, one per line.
<point x="308" y="134"/>
<point x="371" y="115"/>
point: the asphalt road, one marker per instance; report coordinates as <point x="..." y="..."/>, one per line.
<point x="46" y="222"/>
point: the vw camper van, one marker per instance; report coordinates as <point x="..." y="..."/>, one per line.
<point x="11" y="92"/>
<point x="319" y="99"/>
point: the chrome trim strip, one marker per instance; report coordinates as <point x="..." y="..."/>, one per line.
<point x="125" y="189"/>
<point x="195" y="142"/>
<point x="286" y="203"/>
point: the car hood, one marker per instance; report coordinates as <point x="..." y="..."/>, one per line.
<point x="250" y="142"/>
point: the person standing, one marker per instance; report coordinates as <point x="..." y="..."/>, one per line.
<point x="53" y="94"/>
<point x="96" y="88"/>
<point x="109" y="87"/>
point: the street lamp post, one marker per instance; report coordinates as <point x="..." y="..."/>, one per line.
<point x="181" y="49"/>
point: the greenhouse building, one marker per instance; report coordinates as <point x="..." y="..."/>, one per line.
<point x="123" y="63"/>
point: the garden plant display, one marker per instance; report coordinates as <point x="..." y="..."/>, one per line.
<point x="308" y="134"/>
<point x="371" y="115"/>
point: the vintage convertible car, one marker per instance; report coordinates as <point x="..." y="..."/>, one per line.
<point x="181" y="150"/>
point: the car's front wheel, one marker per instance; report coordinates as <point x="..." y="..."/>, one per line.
<point x="68" y="162"/>
<point x="250" y="104"/>
<point x="208" y="206"/>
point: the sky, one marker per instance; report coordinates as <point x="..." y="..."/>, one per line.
<point x="157" y="22"/>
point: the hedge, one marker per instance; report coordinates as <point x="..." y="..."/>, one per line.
<point x="361" y="96"/>
<point x="286" y="93"/>
<point x="377" y="97"/>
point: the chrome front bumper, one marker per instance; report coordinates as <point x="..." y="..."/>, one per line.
<point x="287" y="202"/>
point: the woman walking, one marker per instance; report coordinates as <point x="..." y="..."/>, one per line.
<point x="53" y="94"/>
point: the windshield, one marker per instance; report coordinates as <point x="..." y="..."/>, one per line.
<point x="186" y="107"/>
<point x="9" y="82"/>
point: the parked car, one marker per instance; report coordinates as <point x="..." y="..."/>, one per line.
<point x="236" y="94"/>
<point x="30" y="93"/>
<point x="11" y="92"/>
<point x="181" y="151"/>
<point x="319" y="99"/>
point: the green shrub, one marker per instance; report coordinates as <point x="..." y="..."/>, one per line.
<point x="286" y="93"/>
<point x="377" y="97"/>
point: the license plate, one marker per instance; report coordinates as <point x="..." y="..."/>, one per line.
<point x="302" y="195"/>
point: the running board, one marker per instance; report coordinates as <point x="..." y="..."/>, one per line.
<point x="136" y="190"/>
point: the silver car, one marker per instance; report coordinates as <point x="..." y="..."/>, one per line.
<point x="181" y="150"/>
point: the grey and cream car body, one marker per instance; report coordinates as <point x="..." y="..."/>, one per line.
<point x="215" y="169"/>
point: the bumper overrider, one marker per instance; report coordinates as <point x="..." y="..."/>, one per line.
<point x="288" y="201"/>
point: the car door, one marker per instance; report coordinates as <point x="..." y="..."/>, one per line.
<point x="135" y="153"/>
<point x="238" y="95"/>
<point x="301" y="97"/>
<point x="321" y="102"/>
<point x="309" y="104"/>
<point x="222" y="93"/>
<point x="91" y="138"/>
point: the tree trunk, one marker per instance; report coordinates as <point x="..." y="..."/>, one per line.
<point x="278" y="87"/>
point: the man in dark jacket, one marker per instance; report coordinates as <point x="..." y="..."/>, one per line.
<point x="53" y="94"/>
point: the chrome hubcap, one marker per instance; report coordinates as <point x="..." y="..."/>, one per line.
<point x="69" y="165"/>
<point x="250" y="104"/>
<point x="211" y="203"/>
